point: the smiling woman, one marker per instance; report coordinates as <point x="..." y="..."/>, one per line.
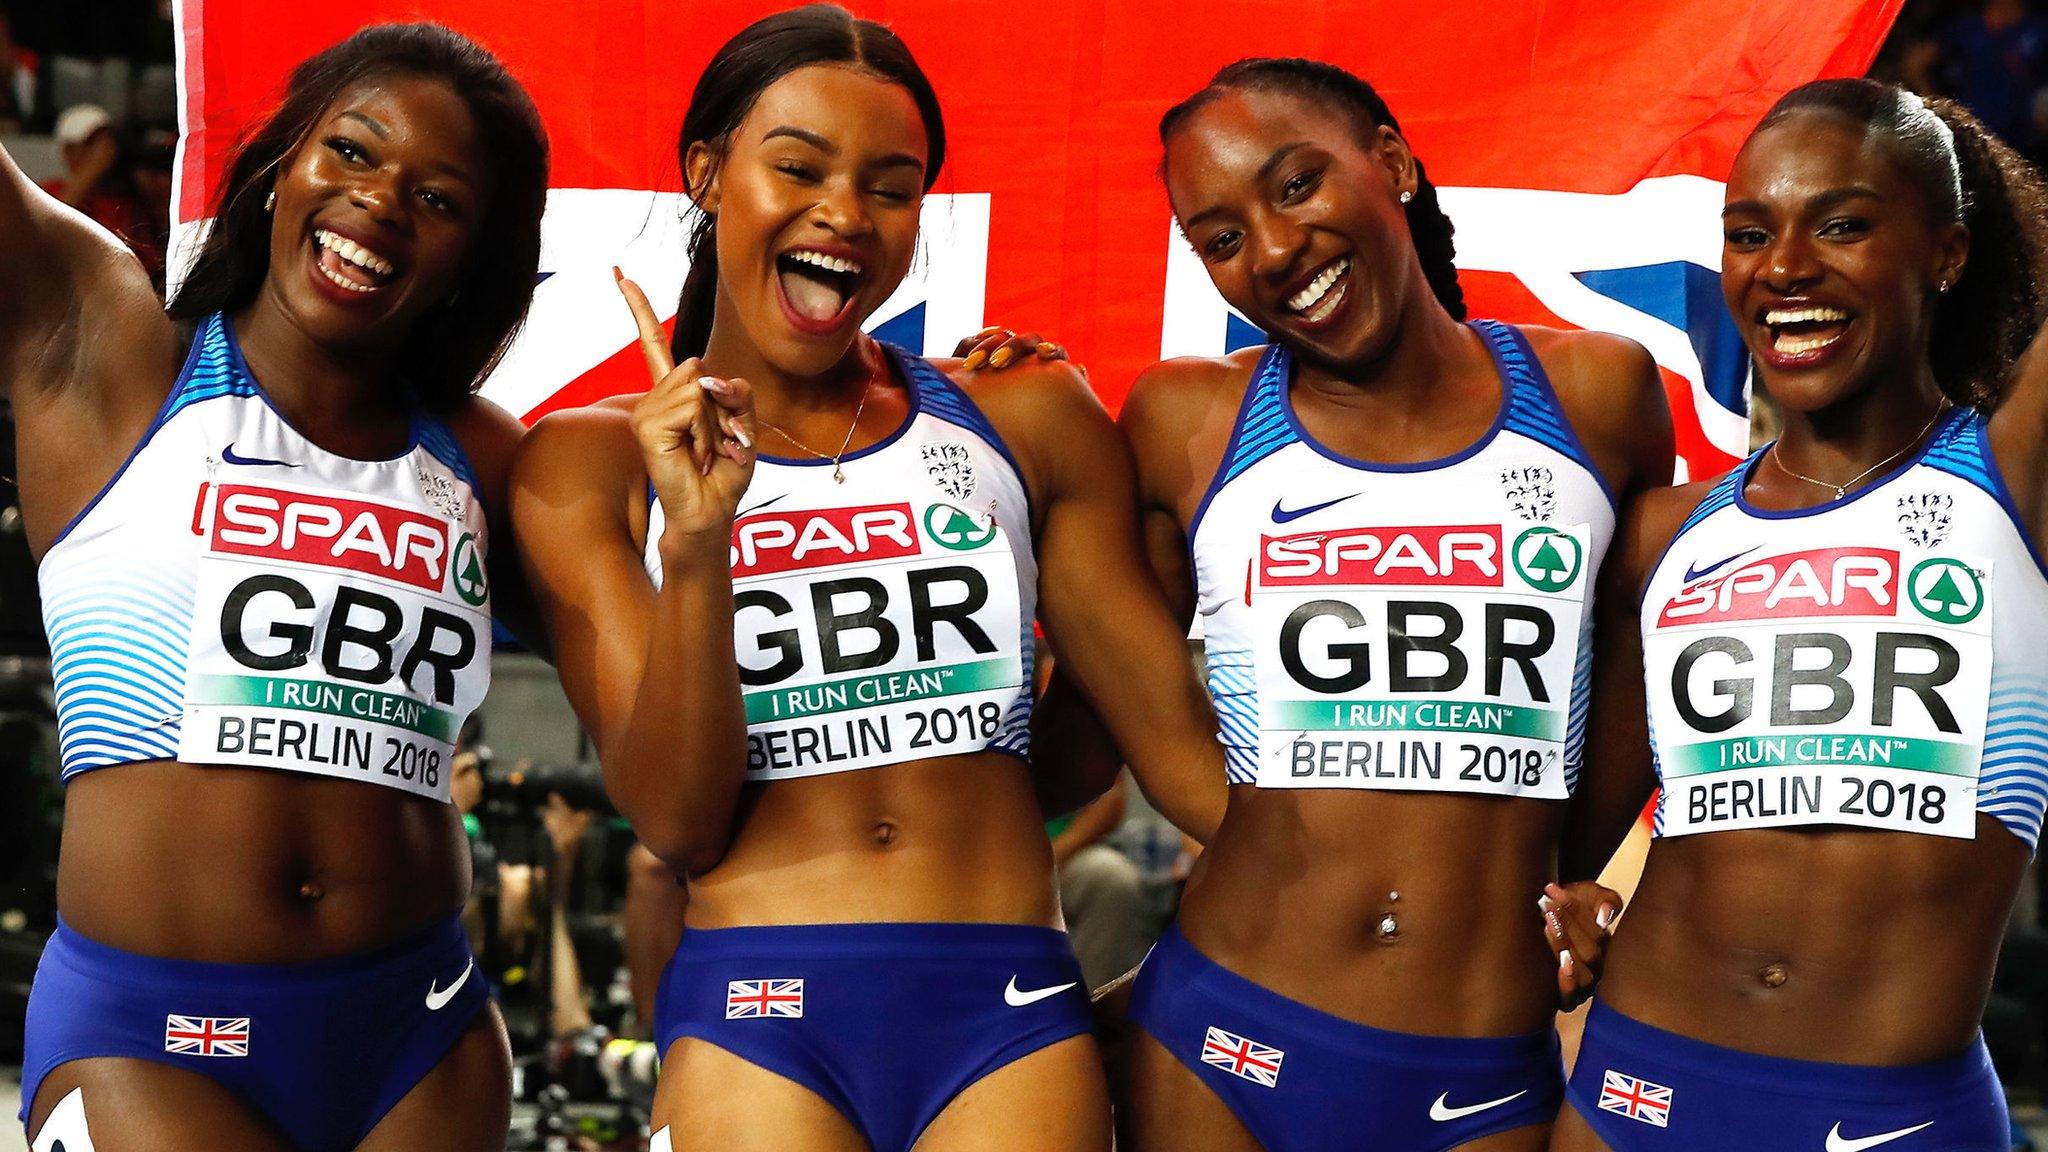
<point x="1844" y="641"/>
<point x="261" y="869"/>
<point x="793" y="588"/>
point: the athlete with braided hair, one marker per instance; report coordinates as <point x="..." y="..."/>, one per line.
<point x="1390" y="521"/>
<point x="1846" y="669"/>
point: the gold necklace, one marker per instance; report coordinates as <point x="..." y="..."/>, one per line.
<point x="838" y="473"/>
<point x="1842" y="489"/>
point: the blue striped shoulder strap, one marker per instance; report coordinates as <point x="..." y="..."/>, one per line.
<point x="1262" y="425"/>
<point x="1532" y="407"/>
<point x="213" y="368"/>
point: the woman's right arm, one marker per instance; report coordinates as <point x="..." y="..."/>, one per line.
<point x="651" y="673"/>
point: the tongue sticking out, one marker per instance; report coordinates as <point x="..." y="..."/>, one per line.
<point x="814" y="297"/>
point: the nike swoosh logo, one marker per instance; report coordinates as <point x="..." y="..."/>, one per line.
<point x="438" y="999"/>
<point x="1836" y="1143"/>
<point x="1017" y="999"/>
<point x="1284" y="515"/>
<point x="228" y="454"/>
<point x="1692" y="574"/>
<point x="1440" y="1109"/>
<point x="768" y="503"/>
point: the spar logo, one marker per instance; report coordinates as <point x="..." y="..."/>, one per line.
<point x="470" y="582"/>
<point x="1816" y="582"/>
<point x="1946" y="591"/>
<point x="1549" y="560"/>
<point x="1465" y="554"/>
<point x="956" y="529"/>
<point x="779" y="541"/>
<point x="330" y="532"/>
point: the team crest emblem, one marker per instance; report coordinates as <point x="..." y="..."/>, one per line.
<point x="1530" y="492"/>
<point x="439" y="491"/>
<point x="1924" y="517"/>
<point x="950" y="466"/>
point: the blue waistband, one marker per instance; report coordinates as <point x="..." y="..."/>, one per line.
<point x="1189" y="967"/>
<point x="1607" y="1027"/>
<point x="80" y="952"/>
<point x="868" y="941"/>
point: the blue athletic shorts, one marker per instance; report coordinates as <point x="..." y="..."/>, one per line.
<point x="1643" y="1089"/>
<point x="886" y="1022"/>
<point x="321" y="1049"/>
<point x="1302" y="1080"/>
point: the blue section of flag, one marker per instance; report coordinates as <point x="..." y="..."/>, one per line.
<point x="904" y="331"/>
<point x="1240" y="333"/>
<point x="1687" y="296"/>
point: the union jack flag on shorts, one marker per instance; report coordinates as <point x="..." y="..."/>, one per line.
<point x="1635" y="1099"/>
<point x="1242" y="1058"/>
<point x="744" y="998"/>
<point x="206" y="1035"/>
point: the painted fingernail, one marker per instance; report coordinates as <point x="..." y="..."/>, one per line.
<point x="1605" y="916"/>
<point x="1564" y="959"/>
<point x="1003" y="356"/>
<point x="1543" y="902"/>
<point x="974" y="360"/>
<point x="1047" y="348"/>
<point x="714" y="384"/>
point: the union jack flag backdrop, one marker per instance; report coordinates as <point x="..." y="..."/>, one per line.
<point x="1580" y="146"/>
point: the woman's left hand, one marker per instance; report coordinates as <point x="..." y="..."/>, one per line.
<point x="996" y="346"/>
<point x="1578" y="920"/>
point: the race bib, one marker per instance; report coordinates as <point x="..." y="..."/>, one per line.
<point x="1827" y="686"/>
<point x="873" y="635"/>
<point x="1436" y="658"/>
<point x="334" y="634"/>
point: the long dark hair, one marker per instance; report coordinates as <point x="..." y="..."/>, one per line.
<point x="454" y="346"/>
<point x="1968" y="176"/>
<point x="1429" y="229"/>
<point x="762" y="53"/>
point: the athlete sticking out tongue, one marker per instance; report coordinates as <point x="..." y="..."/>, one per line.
<point x="817" y="708"/>
<point x="1391" y="522"/>
<point x="267" y="579"/>
<point x="1846" y="665"/>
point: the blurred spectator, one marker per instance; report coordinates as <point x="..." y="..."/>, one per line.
<point x="98" y="182"/>
<point x="1993" y="58"/>
<point x="1101" y="891"/>
<point x="17" y="79"/>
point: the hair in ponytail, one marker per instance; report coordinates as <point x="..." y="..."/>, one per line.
<point x="1428" y="227"/>
<point x="762" y="53"/>
<point x="1968" y="176"/>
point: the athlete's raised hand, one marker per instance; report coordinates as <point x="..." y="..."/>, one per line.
<point x="696" y="433"/>
<point x="1578" y="919"/>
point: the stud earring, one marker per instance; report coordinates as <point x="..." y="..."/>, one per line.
<point x="1407" y="196"/>
<point x="270" y="201"/>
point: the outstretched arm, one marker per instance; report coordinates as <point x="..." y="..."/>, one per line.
<point x="1116" y="636"/>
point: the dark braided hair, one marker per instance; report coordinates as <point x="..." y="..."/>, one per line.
<point x="1968" y="176"/>
<point x="455" y="345"/>
<point x="762" y="53"/>
<point x="1313" y="80"/>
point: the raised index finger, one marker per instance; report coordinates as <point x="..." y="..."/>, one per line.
<point x="653" y="342"/>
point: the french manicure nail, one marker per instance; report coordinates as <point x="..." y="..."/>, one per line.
<point x="1564" y="959"/>
<point x="714" y="384"/>
<point x="740" y="434"/>
<point x="1605" y="916"/>
<point x="1543" y="902"/>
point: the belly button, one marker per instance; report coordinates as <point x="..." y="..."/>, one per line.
<point x="885" y="833"/>
<point x="1774" y="976"/>
<point x="311" y="891"/>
